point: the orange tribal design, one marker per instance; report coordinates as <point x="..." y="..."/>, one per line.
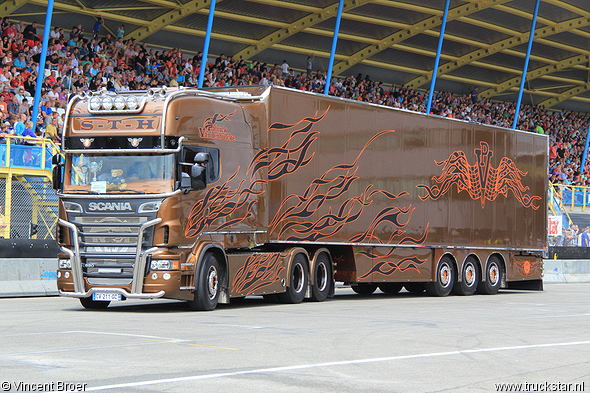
<point x="260" y="270"/>
<point x="481" y="180"/>
<point x="293" y="220"/>
<point x="387" y="268"/>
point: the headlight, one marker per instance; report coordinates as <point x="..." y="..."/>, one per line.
<point x="72" y="207"/>
<point x="149" y="207"/>
<point x="119" y="103"/>
<point x="107" y="103"/>
<point x="163" y="264"/>
<point x="65" y="264"/>
<point x="132" y="102"/>
<point x="95" y="103"/>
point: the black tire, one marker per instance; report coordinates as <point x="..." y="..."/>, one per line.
<point x="493" y="277"/>
<point x="390" y="288"/>
<point x="90" y="304"/>
<point x="322" y="279"/>
<point x="298" y="281"/>
<point x="363" y="288"/>
<point x="470" y="278"/>
<point x="445" y="279"/>
<point x="208" y="285"/>
<point x="414" y="287"/>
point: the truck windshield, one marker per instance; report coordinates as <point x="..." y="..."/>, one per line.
<point x="124" y="173"/>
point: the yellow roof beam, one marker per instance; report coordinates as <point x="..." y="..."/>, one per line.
<point x="9" y="6"/>
<point x="534" y="74"/>
<point x="571" y="93"/>
<point x="295" y="27"/>
<point x="86" y="11"/>
<point x="497" y="47"/>
<point x="173" y="16"/>
<point x="415" y="29"/>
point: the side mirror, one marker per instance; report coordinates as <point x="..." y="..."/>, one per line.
<point x="202" y="158"/>
<point x="198" y="177"/>
<point x="56" y="180"/>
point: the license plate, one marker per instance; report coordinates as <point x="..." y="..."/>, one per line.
<point x="109" y="270"/>
<point x="106" y="297"/>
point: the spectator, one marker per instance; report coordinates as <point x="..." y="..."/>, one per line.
<point x="30" y="32"/>
<point x="586" y="237"/>
<point x="96" y="28"/>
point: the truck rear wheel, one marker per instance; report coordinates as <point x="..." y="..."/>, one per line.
<point x="470" y="278"/>
<point x="363" y="288"/>
<point x="90" y="304"/>
<point x="322" y="279"/>
<point x="391" y="288"/>
<point x="445" y="279"/>
<point x="298" y="281"/>
<point x="207" y="290"/>
<point x="493" y="277"/>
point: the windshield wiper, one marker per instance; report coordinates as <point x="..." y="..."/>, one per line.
<point x="85" y="191"/>
<point x="133" y="191"/>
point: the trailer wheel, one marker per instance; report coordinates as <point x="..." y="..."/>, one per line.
<point x="391" y="288"/>
<point x="322" y="282"/>
<point x="207" y="290"/>
<point x="470" y="278"/>
<point x="298" y="281"/>
<point x="493" y="277"/>
<point x="445" y="279"/>
<point x="363" y="288"/>
<point x="414" y="287"/>
<point x="90" y="304"/>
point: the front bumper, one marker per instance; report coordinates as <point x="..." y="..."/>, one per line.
<point x="120" y="291"/>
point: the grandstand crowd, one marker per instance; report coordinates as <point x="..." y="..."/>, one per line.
<point x="78" y="61"/>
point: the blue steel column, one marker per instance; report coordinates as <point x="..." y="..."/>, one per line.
<point x="41" y="72"/>
<point x="333" y="52"/>
<point x="206" y="47"/>
<point x="583" y="163"/>
<point x="440" y="42"/>
<point x="526" y="64"/>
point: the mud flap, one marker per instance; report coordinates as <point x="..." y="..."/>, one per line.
<point x="528" y="285"/>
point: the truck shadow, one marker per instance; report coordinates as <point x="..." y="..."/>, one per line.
<point x="175" y="306"/>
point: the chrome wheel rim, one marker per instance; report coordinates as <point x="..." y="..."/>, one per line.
<point x="321" y="276"/>
<point x="445" y="275"/>
<point x="298" y="278"/>
<point x="212" y="283"/>
<point x="494" y="274"/>
<point x="469" y="275"/>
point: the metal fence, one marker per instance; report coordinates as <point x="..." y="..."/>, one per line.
<point x="30" y="208"/>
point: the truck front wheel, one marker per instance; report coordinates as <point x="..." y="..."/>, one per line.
<point x="90" y="304"/>
<point x="298" y="281"/>
<point x="208" y="285"/>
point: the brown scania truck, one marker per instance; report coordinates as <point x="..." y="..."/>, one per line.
<point x="208" y="195"/>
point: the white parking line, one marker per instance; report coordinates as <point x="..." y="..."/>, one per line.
<point x="330" y="364"/>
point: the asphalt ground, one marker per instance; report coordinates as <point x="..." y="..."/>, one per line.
<point x="351" y="343"/>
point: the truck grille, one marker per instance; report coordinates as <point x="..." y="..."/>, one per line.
<point x="108" y="247"/>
